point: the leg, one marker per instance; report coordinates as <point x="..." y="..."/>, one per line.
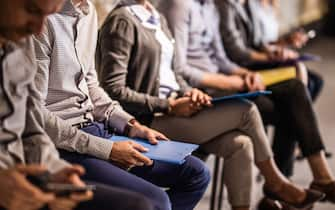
<point x="106" y="173"/>
<point x="187" y="182"/>
<point x="111" y="198"/>
<point x="237" y="151"/>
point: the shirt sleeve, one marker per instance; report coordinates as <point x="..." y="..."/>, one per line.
<point x="62" y="133"/>
<point x="105" y="109"/>
<point x="226" y="66"/>
<point x="41" y="149"/>
<point x="116" y="43"/>
<point x="232" y="38"/>
<point x="177" y="14"/>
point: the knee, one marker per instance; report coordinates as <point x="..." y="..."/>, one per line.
<point x="160" y="200"/>
<point x="142" y="203"/>
<point x="199" y="174"/>
<point x="243" y="148"/>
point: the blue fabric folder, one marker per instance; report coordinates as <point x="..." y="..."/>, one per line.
<point x="240" y="96"/>
<point x="165" y="151"/>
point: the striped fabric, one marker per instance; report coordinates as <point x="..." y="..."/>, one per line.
<point x="67" y="80"/>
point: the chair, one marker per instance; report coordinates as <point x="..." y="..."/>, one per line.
<point x="216" y="197"/>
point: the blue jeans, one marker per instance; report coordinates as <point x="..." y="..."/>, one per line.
<point x="186" y="183"/>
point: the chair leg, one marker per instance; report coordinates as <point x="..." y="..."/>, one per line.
<point x="214" y="182"/>
<point x="221" y="189"/>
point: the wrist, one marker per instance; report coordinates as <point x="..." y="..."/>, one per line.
<point x="172" y="103"/>
<point x="129" y="127"/>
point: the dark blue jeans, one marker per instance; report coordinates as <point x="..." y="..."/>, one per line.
<point x="185" y="183"/>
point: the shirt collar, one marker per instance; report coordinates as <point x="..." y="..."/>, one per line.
<point x="144" y="15"/>
<point x="79" y="10"/>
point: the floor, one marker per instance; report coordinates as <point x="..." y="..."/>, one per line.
<point x="325" y="47"/>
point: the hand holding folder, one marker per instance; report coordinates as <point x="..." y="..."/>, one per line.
<point x="165" y="151"/>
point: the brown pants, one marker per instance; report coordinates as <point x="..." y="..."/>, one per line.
<point x="232" y="130"/>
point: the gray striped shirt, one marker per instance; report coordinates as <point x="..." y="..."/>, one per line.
<point x="68" y="83"/>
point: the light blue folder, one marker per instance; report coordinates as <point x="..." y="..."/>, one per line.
<point x="165" y="151"/>
<point x="240" y="96"/>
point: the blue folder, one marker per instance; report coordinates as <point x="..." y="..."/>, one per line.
<point x="240" y="96"/>
<point x="165" y="151"/>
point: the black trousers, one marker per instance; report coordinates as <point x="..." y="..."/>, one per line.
<point x="290" y="110"/>
<point x="111" y="198"/>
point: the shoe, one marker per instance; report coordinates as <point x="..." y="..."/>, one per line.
<point x="269" y="204"/>
<point x="328" y="189"/>
<point x="312" y="196"/>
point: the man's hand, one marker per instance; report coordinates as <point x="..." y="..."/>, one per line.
<point x="69" y="175"/>
<point x="183" y="107"/>
<point x="16" y="192"/>
<point x="142" y="131"/>
<point x="127" y="154"/>
<point x="198" y="97"/>
<point x="254" y="82"/>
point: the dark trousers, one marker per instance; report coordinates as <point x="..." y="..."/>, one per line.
<point x="185" y="183"/>
<point x="290" y="110"/>
<point x="112" y="198"/>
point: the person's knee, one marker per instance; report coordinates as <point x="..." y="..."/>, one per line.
<point x="243" y="148"/>
<point x="199" y="174"/>
<point x="141" y="203"/>
<point x="160" y="200"/>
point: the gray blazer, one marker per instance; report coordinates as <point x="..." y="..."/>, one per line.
<point x="128" y="61"/>
<point x="239" y="33"/>
<point x="22" y="136"/>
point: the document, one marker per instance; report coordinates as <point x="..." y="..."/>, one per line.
<point x="165" y="151"/>
<point x="240" y="96"/>
<point x="276" y="75"/>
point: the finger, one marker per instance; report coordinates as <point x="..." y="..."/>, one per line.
<point x="194" y="96"/>
<point x="80" y="197"/>
<point x="141" y="158"/>
<point x="74" y="169"/>
<point x="139" y="147"/>
<point x="161" y="136"/>
<point x="152" y="139"/>
<point x="32" y="169"/>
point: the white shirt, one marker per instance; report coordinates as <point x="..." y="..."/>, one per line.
<point x="149" y="20"/>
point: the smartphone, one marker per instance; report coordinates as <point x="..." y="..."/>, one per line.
<point x="42" y="181"/>
<point x="67" y="189"/>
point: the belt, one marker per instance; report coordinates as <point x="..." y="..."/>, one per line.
<point x="82" y="124"/>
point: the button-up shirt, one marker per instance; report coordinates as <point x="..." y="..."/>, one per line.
<point x="195" y="25"/>
<point x="67" y="81"/>
<point x="22" y="136"/>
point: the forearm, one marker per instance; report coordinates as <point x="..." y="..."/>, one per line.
<point x="222" y="82"/>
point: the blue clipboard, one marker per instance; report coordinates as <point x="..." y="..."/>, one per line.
<point x="240" y="96"/>
<point x="166" y="151"/>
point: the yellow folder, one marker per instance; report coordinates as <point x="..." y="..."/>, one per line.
<point x="273" y="76"/>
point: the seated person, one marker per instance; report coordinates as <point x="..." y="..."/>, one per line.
<point x="26" y="150"/>
<point x="135" y="57"/>
<point x="266" y="30"/>
<point x="289" y="108"/>
<point x="72" y="99"/>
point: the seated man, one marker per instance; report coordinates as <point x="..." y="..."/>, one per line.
<point x="72" y="98"/>
<point x="25" y="148"/>
<point x="195" y="24"/>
